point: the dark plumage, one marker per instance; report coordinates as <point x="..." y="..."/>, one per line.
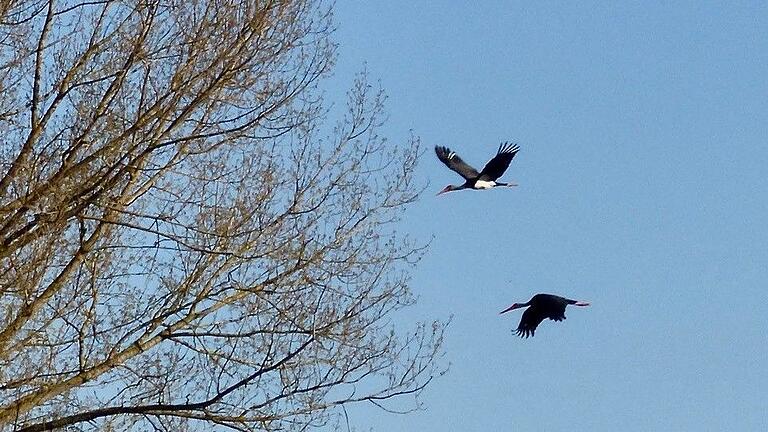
<point x="541" y="306"/>
<point x="484" y="179"/>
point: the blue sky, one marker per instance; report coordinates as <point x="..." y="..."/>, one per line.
<point x="643" y="189"/>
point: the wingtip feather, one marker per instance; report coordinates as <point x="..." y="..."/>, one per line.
<point x="506" y="147"/>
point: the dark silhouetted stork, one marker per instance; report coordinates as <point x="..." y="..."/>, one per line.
<point x="485" y="179"/>
<point x="539" y="307"/>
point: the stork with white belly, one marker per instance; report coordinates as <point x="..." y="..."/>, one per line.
<point x="485" y="179"/>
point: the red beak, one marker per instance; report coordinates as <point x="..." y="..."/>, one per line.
<point x="513" y="307"/>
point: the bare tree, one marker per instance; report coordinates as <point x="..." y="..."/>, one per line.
<point x="184" y="242"/>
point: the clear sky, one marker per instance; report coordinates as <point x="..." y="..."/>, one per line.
<point x="643" y="189"/>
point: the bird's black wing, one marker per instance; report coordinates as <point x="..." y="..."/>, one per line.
<point x="454" y="162"/>
<point x="496" y="166"/>
<point x="531" y="319"/>
<point x="553" y="306"/>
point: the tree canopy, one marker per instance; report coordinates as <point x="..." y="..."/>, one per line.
<point x="181" y="245"/>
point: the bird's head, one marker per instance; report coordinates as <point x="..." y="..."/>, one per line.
<point x="449" y="188"/>
<point x="513" y="307"/>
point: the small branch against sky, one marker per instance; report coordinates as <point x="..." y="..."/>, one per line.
<point x="180" y="247"/>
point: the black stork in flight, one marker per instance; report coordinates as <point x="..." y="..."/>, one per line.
<point x="539" y="307"/>
<point x="484" y="179"/>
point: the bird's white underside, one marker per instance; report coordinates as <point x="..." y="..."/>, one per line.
<point x="482" y="184"/>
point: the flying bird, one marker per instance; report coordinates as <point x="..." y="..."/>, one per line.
<point x="539" y="307"/>
<point x="485" y="179"/>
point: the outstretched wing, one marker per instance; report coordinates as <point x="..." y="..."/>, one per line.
<point x="496" y="166"/>
<point x="531" y="319"/>
<point x="454" y="162"/>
